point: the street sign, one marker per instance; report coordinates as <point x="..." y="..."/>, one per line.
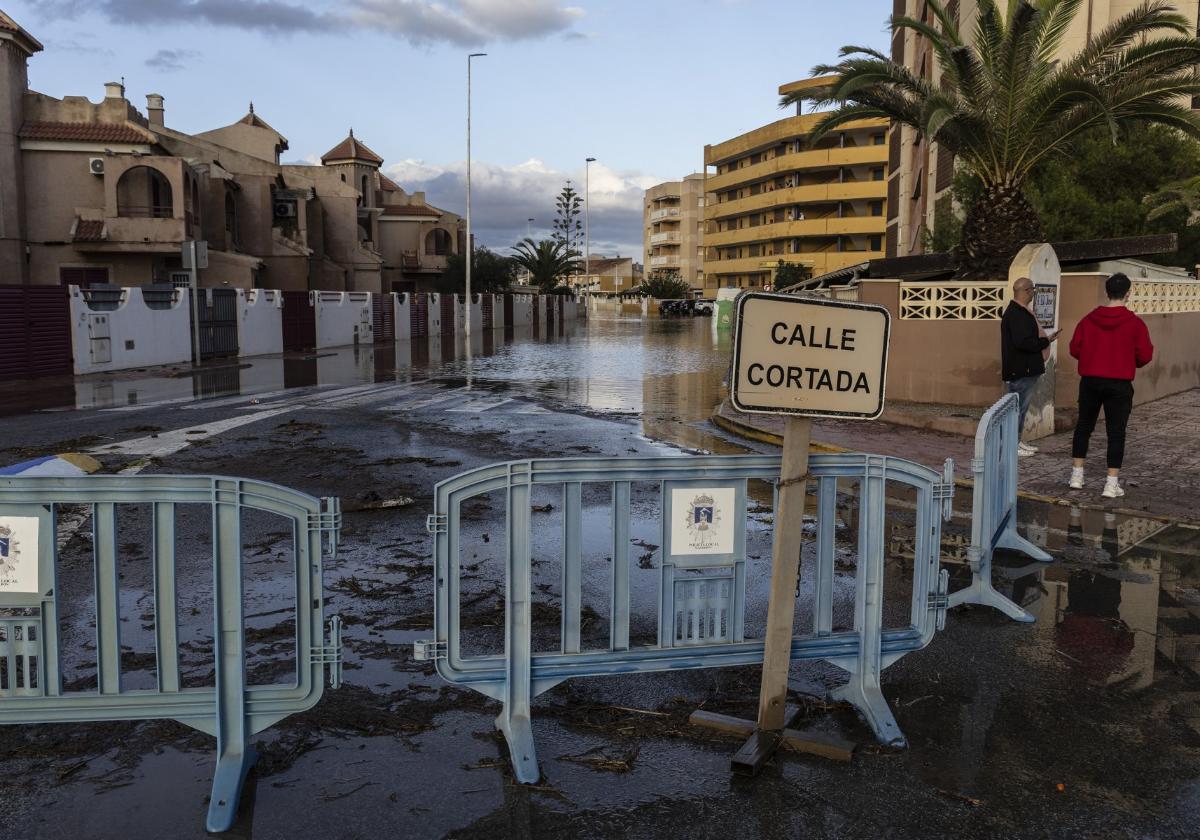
<point x="201" y="253"/>
<point x="1045" y="305"/>
<point x="19" y="554"/>
<point x="809" y="357"/>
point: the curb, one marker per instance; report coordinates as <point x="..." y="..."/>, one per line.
<point x="745" y="430"/>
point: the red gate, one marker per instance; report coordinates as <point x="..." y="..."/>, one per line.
<point x="448" y="314"/>
<point x="299" y="322"/>
<point x="418" y="315"/>
<point x="508" y="311"/>
<point x="487" y="309"/>
<point x="35" y="331"/>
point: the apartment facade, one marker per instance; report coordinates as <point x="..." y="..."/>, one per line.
<point x="773" y="195"/>
<point x="95" y="193"/>
<point x="609" y="276"/>
<point x="673" y="229"/>
<point x="921" y="173"/>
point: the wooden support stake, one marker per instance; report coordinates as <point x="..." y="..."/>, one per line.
<point x="785" y="573"/>
<point x="814" y="743"/>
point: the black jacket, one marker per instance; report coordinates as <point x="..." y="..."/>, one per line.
<point x="1020" y="345"/>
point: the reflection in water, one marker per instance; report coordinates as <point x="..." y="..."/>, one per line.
<point x="670" y="372"/>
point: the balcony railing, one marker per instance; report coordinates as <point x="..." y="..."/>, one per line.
<point x="669" y="236"/>
<point x="145" y="211"/>
<point x="670" y="259"/>
<point x="664" y="213"/>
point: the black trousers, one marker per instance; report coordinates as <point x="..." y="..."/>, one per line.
<point x="1115" y="396"/>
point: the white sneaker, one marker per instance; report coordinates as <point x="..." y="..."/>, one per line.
<point x="1112" y="489"/>
<point x="1076" y="482"/>
<point x="1024" y="448"/>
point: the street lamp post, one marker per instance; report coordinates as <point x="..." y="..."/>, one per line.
<point x="470" y="243"/>
<point x="587" y="243"/>
<point x="529" y="236"/>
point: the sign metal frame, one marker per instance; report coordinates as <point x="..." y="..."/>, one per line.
<point x="800" y="412"/>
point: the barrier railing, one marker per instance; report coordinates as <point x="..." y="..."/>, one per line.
<point x="994" y="507"/>
<point x="701" y="599"/>
<point x="31" y="687"/>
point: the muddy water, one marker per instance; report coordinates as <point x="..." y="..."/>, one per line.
<point x="1099" y="696"/>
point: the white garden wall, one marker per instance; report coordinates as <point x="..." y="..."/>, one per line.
<point x="260" y="322"/>
<point x="131" y="336"/>
<point x="343" y="318"/>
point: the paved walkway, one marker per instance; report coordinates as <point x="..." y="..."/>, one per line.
<point x="1162" y="455"/>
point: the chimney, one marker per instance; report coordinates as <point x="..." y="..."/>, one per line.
<point x="154" y="108"/>
<point x="418" y="198"/>
<point x="114" y="90"/>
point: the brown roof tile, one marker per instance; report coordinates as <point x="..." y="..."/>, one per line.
<point x="85" y="132"/>
<point x="388" y="184"/>
<point x="89" y="230"/>
<point x="410" y="210"/>
<point x="351" y="149"/>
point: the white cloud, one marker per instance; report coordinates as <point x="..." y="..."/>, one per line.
<point x="503" y="197"/>
<point x="460" y="22"/>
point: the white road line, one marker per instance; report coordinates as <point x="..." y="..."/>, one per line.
<point x="480" y="406"/>
<point x="425" y="402"/>
<point x="248" y="398"/>
<point x="377" y="395"/>
<point x="168" y="443"/>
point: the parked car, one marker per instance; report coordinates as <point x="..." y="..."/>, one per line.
<point x="680" y="308"/>
<point x="705" y="307"/>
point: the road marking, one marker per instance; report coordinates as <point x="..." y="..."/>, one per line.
<point x="168" y="443"/>
<point x="425" y="402"/>
<point x="480" y="406"/>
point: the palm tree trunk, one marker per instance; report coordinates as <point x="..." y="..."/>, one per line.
<point x="998" y="224"/>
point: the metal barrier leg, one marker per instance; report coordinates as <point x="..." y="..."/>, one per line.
<point x="1013" y="541"/>
<point x="235" y="755"/>
<point x="981" y="591"/>
<point x="515" y="719"/>
<point x="863" y="691"/>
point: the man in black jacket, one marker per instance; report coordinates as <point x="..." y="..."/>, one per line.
<point x="1022" y="341"/>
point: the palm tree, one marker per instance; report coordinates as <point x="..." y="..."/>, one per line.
<point x="1004" y="103"/>
<point x="546" y="261"/>
<point x="1178" y="195"/>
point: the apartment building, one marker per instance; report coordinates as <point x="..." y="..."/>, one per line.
<point x="921" y="173"/>
<point x="101" y="193"/>
<point x="608" y="276"/>
<point x="673" y="229"/>
<point x="772" y="194"/>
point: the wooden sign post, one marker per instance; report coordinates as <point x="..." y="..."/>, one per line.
<point x="803" y="358"/>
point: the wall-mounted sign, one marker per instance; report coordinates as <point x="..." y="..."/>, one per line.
<point x="807" y="356"/>
<point x="18" y="555"/>
<point x="702" y="520"/>
<point x="1045" y="305"/>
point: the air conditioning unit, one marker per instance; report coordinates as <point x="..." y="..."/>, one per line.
<point x="96" y="166"/>
<point x="799" y="217"/>
<point x="791" y="215"/>
<point x="789" y="183"/>
<point x="285" y="209"/>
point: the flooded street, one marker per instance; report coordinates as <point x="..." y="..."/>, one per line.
<point x="1083" y="724"/>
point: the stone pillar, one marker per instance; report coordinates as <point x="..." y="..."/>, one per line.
<point x="15" y="49"/>
<point x="1040" y="264"/>
<point x="154" y="110"/>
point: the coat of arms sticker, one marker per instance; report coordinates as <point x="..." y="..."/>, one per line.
<point x="18" y="554"/>
<point x="700" y="523"/>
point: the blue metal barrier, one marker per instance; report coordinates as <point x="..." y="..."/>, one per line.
<point x="231" y="710"/>
<point x="994" y="507"/>
<point x="701" y="614"/>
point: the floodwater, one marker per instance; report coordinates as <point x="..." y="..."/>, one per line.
<point x="1085" y="723"/>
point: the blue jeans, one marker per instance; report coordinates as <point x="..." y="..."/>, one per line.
<point x="1023" y="388"/>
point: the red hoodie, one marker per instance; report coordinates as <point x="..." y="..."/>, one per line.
<point x="1111" y="342"/>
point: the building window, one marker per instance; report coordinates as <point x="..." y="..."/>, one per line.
<point x="878" y="139"/>
<point x="876" y="208"/>
<point x="437" y="243"/>
<point x="877" y="173"/>
<point x="876" y="243"/>
<point x="232" y="240"/>
<point x="365" y="201"/>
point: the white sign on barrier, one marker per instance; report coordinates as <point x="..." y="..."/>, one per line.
<point x="700" y="520"/>
<point x="811" y="357"/>
<point x="19" y="554"/>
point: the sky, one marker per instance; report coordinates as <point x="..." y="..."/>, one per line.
<point x="640" y="85"/>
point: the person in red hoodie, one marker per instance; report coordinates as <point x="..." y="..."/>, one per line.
<point x="1111" y="343"/>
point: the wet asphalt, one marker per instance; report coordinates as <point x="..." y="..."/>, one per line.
<point x="1084" y="724"/>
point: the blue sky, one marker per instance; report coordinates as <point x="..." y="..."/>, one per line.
<point x="641" y="86"/>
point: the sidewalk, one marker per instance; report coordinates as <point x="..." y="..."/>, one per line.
<point x="1161" y="476"/>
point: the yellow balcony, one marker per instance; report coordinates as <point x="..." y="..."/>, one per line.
<point x="797" y="161"/>
<point x="780" y="131"/>
<point x="812" y="194"/>
<point x="832" y="226"/>
<point x="819" y="261"/>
